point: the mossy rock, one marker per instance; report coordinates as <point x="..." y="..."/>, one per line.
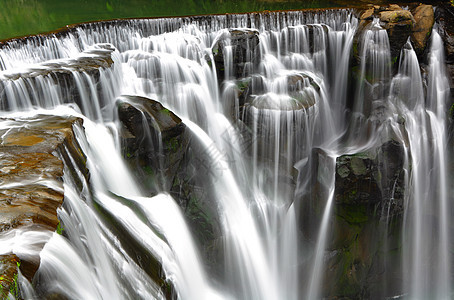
<point x="154" y="151"/>
<point x="9" y="267"/>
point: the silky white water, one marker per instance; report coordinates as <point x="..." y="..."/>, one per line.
<point x="259" y="153"/>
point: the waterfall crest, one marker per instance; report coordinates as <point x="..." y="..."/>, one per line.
<point x="297" y="157"/>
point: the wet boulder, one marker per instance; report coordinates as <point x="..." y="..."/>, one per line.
<point x="444" y="15"/>
<point x="153" y="141"/>
<point x="364" y="234"/>
<point x="161" y="151"/>
<point x="416" y="23"/>
<point x="399" y="25"/>
<point x="368" y="14"/>
<point x="33" y="152"/>
<point x="368" y="210"/>
<point x="8" y="279"/>
<point x="373" y="178"/>
<point x="238" y="49"/>
<point x="424" y="21"/>
<point x="292" y="91"/>
<point x="394" y="15"/>
<point x="194" y="189"/>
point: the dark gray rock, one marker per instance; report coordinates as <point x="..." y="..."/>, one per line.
<point x="373" y="178"/>
<point x="154" y="141"/>
<point x="244" y="48"/>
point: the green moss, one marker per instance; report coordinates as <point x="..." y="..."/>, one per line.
<point x="60" y="228"/>
<point x="394" y="60"/>
<point x="148" y="170"/>
<point x="13" y="286"/>
<point x="352" y="214"/>
<point x="201" y="217"/>
<point x="172" y="144"/>
<point x="242" y="84"/>
<point x="165" y="111"/>
<point x="451" y="110"/>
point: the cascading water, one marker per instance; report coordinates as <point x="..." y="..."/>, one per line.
<point x="265" y="98"/>
<point x="427" y="203"/>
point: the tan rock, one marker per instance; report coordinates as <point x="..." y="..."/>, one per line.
<point x="396" y="16"/>
<point x="392" y="7"/>
<point x="8" y="274"/>
<point x="367" y="14"/>
<point x="424" y="21"/>
<point x="31" y="187"/>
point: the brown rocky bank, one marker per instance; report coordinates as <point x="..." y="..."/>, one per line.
<point x="32" y="152"/>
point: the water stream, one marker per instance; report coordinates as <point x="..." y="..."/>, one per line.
<point x="272" y="124"/>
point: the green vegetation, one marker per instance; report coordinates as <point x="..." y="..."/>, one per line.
<point x="59" y="229"/>
<point x="25" y="17"/>
<point x="172" y="144"/>
<point x="451" y="110"/>
<point x="13" y="286"/>
<point x="353" y="214"/>
<point x="165" y="111"/>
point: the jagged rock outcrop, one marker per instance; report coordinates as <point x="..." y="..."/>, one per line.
<point x="243" y="46"/>
<point x="374" y="179"/>
<point x="424" y="21"/>
<point x="157" y="143"/>
<point x="445" y="18"/>
<point x="367" y="214"/>
<point x="368" y="209"/>
<point x="32" y="152"/>
<point x="8" y="276"/>
<point x="415" y="23"/>
<point x="154" y="140"/>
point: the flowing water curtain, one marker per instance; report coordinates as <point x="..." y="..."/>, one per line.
<point x="427" y="207"/>
<point x="288" y="112"/>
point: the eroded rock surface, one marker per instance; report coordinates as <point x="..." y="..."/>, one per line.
<point x="242" y="45"/>
<point x="415" y="22"/>
<point x="159" y="147"/>
<point x="424" y="21"/>
<point x="154" y="140"/>
<point x="31" y="170"/>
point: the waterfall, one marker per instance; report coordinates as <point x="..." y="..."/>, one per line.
<point x="279" y="109"/>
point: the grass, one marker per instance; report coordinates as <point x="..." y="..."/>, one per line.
<point x="26" y="17"/>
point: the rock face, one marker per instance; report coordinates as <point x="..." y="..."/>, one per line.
<point x="424" y="21"/>
<point x="157" y="143"/>
<point x="395" y="15"/>
<point x="154" y="140"/>
<point x="445" y="18"/>
<point x="369" y="196"/>
<point x="8" y="278"/>
<point x="372" y="178"/>
<point x="243" y="47"/>
<point x="364" y="249"/>
<point x="401" y="24"/>
<point x="88" y="61"/>
<point x="31" y="168"/>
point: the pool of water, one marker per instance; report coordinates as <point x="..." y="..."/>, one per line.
<point x="26" y="17"/>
